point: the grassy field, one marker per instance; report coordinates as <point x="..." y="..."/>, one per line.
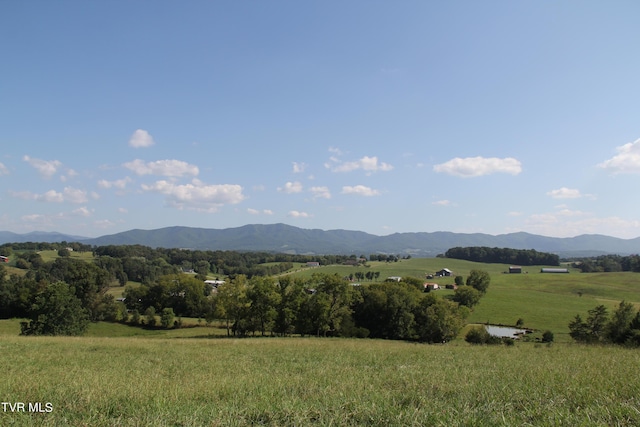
<point x="544" y="301"/>
<point x="135" y="381"/>
<point x="122" y="375"/>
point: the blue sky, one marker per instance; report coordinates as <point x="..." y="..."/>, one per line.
<point x="384" y="117"/>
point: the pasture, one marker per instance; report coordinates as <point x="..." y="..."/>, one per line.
<point x="143" y="380"/>
<point x="196" y="376"/>
<point x="544" y="301"/>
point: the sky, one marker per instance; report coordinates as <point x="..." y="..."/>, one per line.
<point x="384" y="117"/>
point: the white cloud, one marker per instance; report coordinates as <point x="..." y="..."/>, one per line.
<point x="3" y="170"/>
<point x="69" y="194"/>
<point x="335" y="151"/>
<point x="479" y="166"/>
<point x="567" y="223"/>
<point x="260" y="212"/>
<point x="442" y="203"/>
<point x="369" y="164"/>
<point x="291" y="187"/>
<point x="141" y="139"/>
<point x="74" y="195"/>
<point x="299" y="167"/>
<point x="320" y="192"/>
<point x="565" y="193"/>
<point x="298" y="214"/>
<point x="170" y="168"/>
<point x="46" y="168"/>
<point x="198" y="196"/>
<point x="120" y="184"/>
<point x="626" y="161"/>
<point x="83" y="211"/>
<point x="360" y="190"/>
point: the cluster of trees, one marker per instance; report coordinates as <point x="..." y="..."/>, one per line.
<point x="361" y="275"/>
<point x="61" y="297"/>
<point x="608" y="263"/>
<point x="229" y="263"/>
<point x="622" y="327"/>
<point x="503" y="255"/>
<point x="330" y="305"/>
<point x="7" y="249"/>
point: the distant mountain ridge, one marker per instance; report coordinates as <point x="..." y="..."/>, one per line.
<point x="289" y="239"/>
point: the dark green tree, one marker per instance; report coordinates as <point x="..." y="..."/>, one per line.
<point x="479" y="279"/>
<point x="467" y="296"/>
<point x="618" y="329"/>
<point x="150" y="316"/>
<point x="439" y="320"/>
<point x="292" y="296"/>
<point x="264" y="298"/>
<point x="56" y="311"/>
<point x="593" y="329"/>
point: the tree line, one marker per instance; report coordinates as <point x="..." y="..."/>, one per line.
<point x="621" y="327"/>
<point x="503" y="255"/>
<point x="607" y="263"/>
<point x="323" y="305"/>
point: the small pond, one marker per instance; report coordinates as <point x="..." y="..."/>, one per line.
<point x="505" y="331"/>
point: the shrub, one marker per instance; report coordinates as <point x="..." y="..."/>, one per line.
<point x="166" y="318"/>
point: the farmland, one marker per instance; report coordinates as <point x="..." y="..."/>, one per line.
<point x="125" y="375"/>
<point x="144" y="380"/>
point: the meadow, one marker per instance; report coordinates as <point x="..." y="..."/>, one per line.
<point x="135" y="381"/>
<point x="543" y="301"/>
<point x="196" y="376"/>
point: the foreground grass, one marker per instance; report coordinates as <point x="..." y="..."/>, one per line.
<point x="309" y="381"/>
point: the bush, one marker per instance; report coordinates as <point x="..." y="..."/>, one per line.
<point x="166" y="319"/>
<point x="479" y="335"/>
<point x="150" y="316"/>
<point x="547" y="336"/>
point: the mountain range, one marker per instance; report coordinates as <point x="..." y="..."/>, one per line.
<point x="288" y="239"/>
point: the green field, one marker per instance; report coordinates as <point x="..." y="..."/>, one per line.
<point x="136" y="381"/>
<point x="196" y="376"/>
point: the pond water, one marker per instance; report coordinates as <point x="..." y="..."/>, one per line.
<point x="505" y="331"/>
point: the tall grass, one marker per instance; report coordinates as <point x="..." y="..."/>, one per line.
<point x="315" y="381"/>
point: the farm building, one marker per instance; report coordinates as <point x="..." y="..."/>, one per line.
<point x="431" y="287"/>
<point x="515" y="269"/>
<point x="554" y="270"/>
<point x="4" y="259"/>
<point x="445" y="272"/>
<point x="214" y="283"/>
<point x="394" y="279"/>
<point x="313" y="264"/>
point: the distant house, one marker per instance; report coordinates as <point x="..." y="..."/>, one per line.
<point x="554" y="270"/>
<point x="4" y="259"/>
<point x="445" y="272"/>
<point x="214" y="283"/>
<point x="515" y="269"/>
<point x="394" y="279"/>
<point x="428" y="287"/>
<point x="313" y="264"/>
